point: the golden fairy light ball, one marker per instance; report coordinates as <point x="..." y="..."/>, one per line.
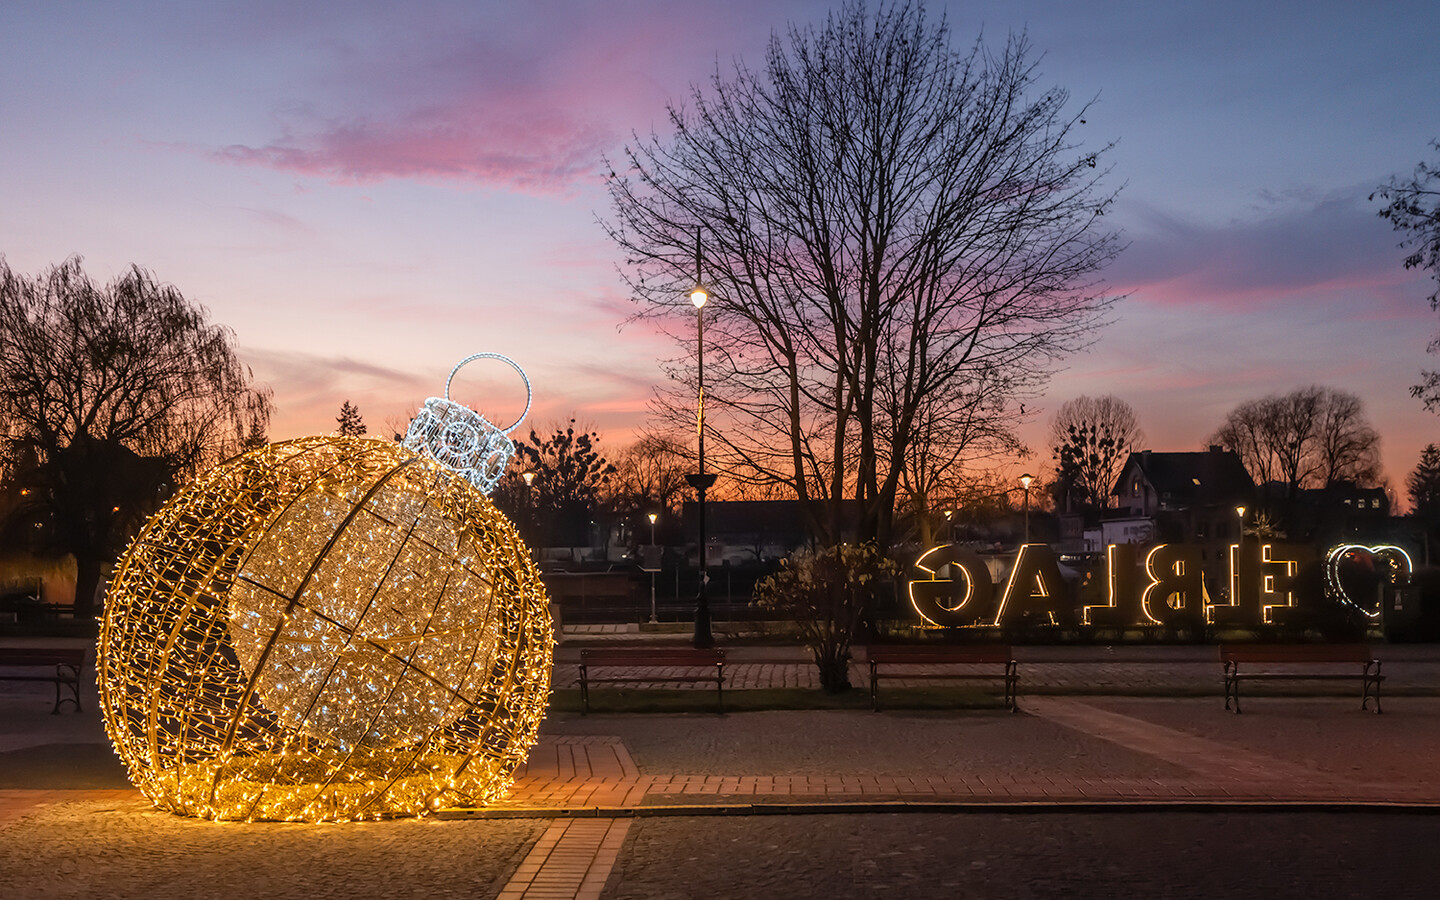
<point x="323" y="629"/>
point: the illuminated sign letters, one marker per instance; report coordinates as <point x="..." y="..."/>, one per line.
<point x="1168" y="589"/>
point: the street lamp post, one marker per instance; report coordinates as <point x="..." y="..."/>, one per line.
<point x="701" y="482"/>
<point x="653" y="619"/>
<point x="1025" y="483"/>
<point x="529" y="506"/>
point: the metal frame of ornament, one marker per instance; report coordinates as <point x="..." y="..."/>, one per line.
<point x="461" y="439"/>
<point x="331" y="628"/>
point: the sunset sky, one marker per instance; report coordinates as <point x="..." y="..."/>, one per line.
<point x="369" y="192"/>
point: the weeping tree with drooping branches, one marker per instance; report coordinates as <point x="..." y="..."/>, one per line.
<point x="110" y="396"/>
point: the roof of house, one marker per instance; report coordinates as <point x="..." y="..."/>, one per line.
<point x="1210" y="478"/>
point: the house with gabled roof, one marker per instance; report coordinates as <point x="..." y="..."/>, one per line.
<point x="1189" y="498"/>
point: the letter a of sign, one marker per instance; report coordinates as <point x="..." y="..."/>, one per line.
<point x="1035" y="586"/>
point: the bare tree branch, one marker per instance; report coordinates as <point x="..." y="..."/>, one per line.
<point x="892" y="229"/>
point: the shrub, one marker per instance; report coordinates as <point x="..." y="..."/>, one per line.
<point x="827" y="592"/>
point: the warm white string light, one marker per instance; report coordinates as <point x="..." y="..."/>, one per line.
<point x="329" y="628"/>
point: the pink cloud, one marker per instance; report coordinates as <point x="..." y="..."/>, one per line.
<point x="1292" y="246"/>
<point x="539" y="155"/>
<point x="526" y="97"/>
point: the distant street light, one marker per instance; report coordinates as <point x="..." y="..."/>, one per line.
<point x="701" y="482"/>
<point x="1025" y="483"/>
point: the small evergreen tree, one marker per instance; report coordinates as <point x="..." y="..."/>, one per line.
<point x="351" y="425"/>
<point x="1423" y="485"/>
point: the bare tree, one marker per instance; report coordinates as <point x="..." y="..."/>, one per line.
<point x="650" y="475"/>
<point x="954" y="435"/>
<point x="650" y="479"/>
<point x="1091" y="437"/>
<point x="108" y="395"/>
<point x="889" y="224"/>
<point x="571" y="482"/>
<point x="1414" y="208"/>
<point x="1312" y="437"/>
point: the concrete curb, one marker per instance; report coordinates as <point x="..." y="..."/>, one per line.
<point x="944" y="807"/>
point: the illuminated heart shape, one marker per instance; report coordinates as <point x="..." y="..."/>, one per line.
<point x="1348" y="563"/>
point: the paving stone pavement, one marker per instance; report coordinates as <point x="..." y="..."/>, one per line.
<point x="1089" y="736"/>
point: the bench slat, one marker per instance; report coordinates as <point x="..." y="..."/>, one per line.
<point x="1297" y="653"/>
<point x="677" y="656"/>
<point x="62" y="658"/>
<point x="939" y="655"/>
<point x="907" y="655"/>
<point x="1291" y="660"/>
<point x="41" y="656"/>
<point x="712" y="660"/>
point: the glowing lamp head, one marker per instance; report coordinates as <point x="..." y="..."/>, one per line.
<point x="1240" y="511"/>
<point x="653" y="517"/>
<point x="1025" y="480"/>
<point x="698" y="296"/>
<point x="529" y="478"/>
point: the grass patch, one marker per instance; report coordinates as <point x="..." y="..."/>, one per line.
<point x="630" y="700"/>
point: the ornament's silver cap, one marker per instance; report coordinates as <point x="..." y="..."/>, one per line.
<point x="461" y="439"/>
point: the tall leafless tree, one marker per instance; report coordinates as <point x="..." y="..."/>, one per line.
<point x="1091" y="437"/>
<point x="888" y="224"/>
<point x="1312" y="437"/>
<point x="955" y="435"/>
<point x="649" y="479"/>
<point x="109" y="395"/>
<point x="650" y="475"/>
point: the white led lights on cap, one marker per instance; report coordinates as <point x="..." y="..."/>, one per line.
<point x="461" y="439"/>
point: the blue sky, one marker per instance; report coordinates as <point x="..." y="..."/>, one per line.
<point x="368" y="192"/>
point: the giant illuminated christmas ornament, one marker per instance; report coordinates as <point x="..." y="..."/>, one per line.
<point x="329" y="628"/>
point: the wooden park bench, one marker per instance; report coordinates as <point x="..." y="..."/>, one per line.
<point x="678" y="665"/>
<point x="67" y="663"/>
<point x="1301" y="662"/>
<point x="901" y="661"/>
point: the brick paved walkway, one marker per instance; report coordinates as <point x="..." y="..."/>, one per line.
<point x="593" y="780"/>
<point x="591" y="786"/>
<point x="573" y="858"/>
<point x="570" y="776"/>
